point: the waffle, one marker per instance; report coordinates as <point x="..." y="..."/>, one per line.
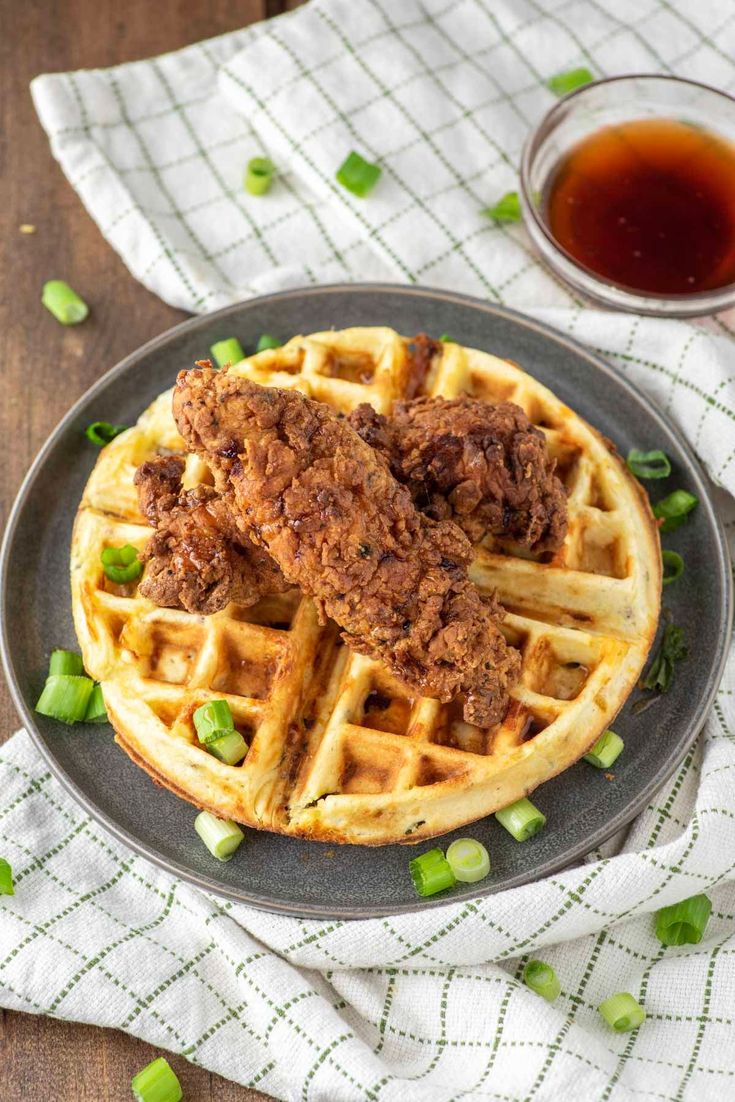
<point x="339" y="751"/>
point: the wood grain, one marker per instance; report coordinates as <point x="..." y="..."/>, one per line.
<point x="45" y="367"/>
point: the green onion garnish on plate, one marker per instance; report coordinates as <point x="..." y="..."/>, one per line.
<point x="228" y="351"/>
<point x="469" y="860"/>
<point x="96" y="710"/>
<point x="156" y="1083"/>
<point x="213" y="720"/>
<point x="542" y="979"/>
<point x="220" y="836"/>
<point x="229" y="748"/>
<point x="65" y="662"/>
<point x="259" y="175"/>
<point x="102" y="432"/>
<point x="605" y="751"/>
<point x="674" y="509"/>
<point x="621" y="1012"/>
<point x="673" y="565"/>
<point x="6" y="878"/>
<point x="653" y="464"/>
<point x="431" y="873"/>
<point x="521" y="819"/>
<point x="121" y="564"/>
<point x="672" y="650"/>
<point x="267" y="341"/>
<point x="562" y="83"/>
<point x="446" y="339"/>
<point x="358" y="175"/>
<point x="683" y="923"/>
<point x="65" y="697"/>
<point x="507" y="209"/>
<point x="64" y="303"/>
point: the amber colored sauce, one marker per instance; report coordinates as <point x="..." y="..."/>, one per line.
<point x="648" y="205"/>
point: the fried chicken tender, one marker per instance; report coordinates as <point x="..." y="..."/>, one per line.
<point x="483" y="466"/>
<point x="197" y="558"/>
<point x="341" y="527"/>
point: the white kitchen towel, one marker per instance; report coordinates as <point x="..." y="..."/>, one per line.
<point x="423" y="1006"/>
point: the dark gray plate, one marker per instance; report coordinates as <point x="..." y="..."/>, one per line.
<point x="310" y="879"/>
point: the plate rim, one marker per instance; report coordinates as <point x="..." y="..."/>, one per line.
<point x="572" y="855"/>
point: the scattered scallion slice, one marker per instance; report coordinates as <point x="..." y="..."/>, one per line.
<point x="259" y="175"/>
<point x="96" y="710"/>
<point x="431" y="873"/>
<point x="102" y="432"/>
<point x="661" y="671"/>
<point x="358" y="175"/>
<point x="121" y="564"/>
<point x="683" y="923"/>
<point x="521" y="819"/>
<point x="64" y="303"/>
<point x="65" y="697"/>
<point x="267" y="341"/>
<point x="220" y="836"/>
<point x="542" y="979"/>
<point x="469" y="860"/>
<point x="446" y="339"/>
<point x="6" y="878"/>
<point x="674" y="509"/>
<point x="65" y="662"/>
<point x="673" y="566"/>
<point x="507" y="209"/>
<point x="605" y="751"/>
<point x="653" y="464"/>
<point x="212" y="720"/>
<point x="621" y="1012"/>
<point x="228" y="351"/>
<point x="156" y="1083"/>
<point x="562" y="83"/>
<point x="230" y="747"/>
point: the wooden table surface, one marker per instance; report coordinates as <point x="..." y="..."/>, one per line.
<point x="45" y="368"/>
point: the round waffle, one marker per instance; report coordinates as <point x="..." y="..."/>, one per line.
<point x="339" y="751"/>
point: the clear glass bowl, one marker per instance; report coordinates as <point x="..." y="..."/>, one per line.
<point x="581" y="113"/>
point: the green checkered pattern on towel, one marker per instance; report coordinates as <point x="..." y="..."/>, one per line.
<point x="424" y="1006"/>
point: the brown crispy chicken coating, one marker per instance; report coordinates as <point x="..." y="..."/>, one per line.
<point x="342" y="528"/>
<point x="197" y="558"/>
<point x="483" y="466"/>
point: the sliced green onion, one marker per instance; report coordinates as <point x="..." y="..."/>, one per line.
<point x="622" y="1012"/>
<point x="654" y="464"/>
<point x="121" y="564"/>
<point x="65" y="697"/>
<point x="446" y="339"/>
<point x="259" y="175"/>
<point x="220" y="836"/>
<point x="674" y="509"/>
<point x="673" y="566"/>
<point x="102" y="432"/>
<point x="267" y="341"/>
<point x="521" y="819"/>
<point x="661" y="671"/>
<point x="96" y="710"/>
<point x="212" y="720"/>
<point x="568" y="81"/>
<point x="230" y="747"/>
<point x="65" y="304"/>
<point x="469" y="860"/>
<point x="431" y="873"/>
<point x="6" y="878"/>
<point x="542" y="979"/>
<point x="156" y="1083"/>
<point x="358" y="175"/>
<point x="683" y="923"/>
<point x="606" y="750"/>
<point x="65" y="662"/>
<point x="507" y="209"/>
<point x="226" y="352"/>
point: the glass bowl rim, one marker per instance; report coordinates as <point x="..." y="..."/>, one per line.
<point x="720" y="296"/>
